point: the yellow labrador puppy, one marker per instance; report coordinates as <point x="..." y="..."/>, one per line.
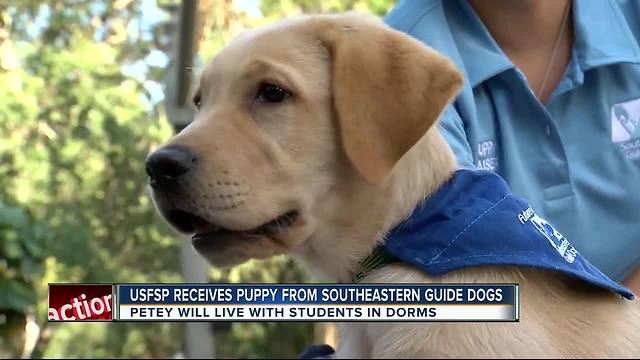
<point x="314" y="137"/>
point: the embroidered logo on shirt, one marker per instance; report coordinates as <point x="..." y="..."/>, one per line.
<point x="556" y="239"/>
<point x="625" y="127"/>
<point x="487" y="159"/>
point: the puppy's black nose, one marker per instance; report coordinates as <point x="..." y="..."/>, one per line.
<point x="169" y="163"/>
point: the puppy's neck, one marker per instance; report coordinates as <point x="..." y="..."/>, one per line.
<point x="362" y="222"/>
<point x="422" y="171"/>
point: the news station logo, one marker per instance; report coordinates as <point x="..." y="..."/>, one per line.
<point x="80" y="302"/>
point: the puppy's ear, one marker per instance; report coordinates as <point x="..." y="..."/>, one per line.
<point x="388" y="90"/>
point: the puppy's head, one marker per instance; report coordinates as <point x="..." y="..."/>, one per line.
<point x="290" y="118"/>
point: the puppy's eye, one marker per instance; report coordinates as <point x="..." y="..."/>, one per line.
<point x="272" y="93"/>
<point x="196" y="100"/>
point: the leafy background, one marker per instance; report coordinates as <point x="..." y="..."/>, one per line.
<point x="80" y="108"/>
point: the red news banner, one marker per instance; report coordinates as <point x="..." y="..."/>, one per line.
<point x="82" y="302"/>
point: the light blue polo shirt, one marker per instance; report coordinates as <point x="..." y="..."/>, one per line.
<point x="575" y="159"/>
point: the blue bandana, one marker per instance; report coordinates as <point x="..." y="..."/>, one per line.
<point x="474" y="220"/>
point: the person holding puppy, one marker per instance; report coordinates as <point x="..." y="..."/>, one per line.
<point x="552" y="104"/>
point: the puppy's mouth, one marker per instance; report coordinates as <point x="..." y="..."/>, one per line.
<point x="202" y="229"/>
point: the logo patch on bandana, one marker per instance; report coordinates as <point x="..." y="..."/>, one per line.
<point x="556" y="239"/>
<point x="625" y="127"/>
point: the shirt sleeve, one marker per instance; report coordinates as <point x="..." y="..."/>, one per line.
<point x="453" y="130"/>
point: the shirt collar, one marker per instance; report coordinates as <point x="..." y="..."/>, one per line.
<point x="452" y="28"/>
<point x="602" y="35"/>
<point x="480" y="54"/>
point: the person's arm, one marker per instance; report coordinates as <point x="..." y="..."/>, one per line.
<point x="453" y="129"/>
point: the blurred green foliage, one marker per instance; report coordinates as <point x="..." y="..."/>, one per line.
<point x="79" y="111"/>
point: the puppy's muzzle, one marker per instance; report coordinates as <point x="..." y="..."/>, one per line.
<point x="167" y="165"/>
